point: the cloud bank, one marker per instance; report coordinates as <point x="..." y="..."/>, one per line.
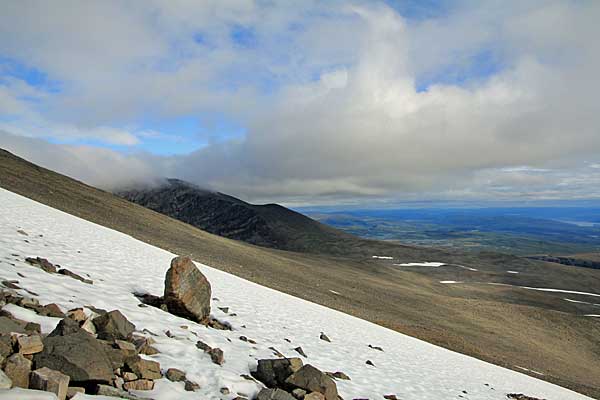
<point x="339" y="101"/>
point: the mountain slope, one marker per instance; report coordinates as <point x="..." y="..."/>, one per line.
<point x="269" y="225"/>
<point x="505" y="325"/>
<point x="119" y="265"/>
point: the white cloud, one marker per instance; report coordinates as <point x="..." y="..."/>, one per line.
<point x="328" y="94"/>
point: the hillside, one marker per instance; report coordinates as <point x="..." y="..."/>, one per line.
<point x="507" y="325"/>
<point x="119" y="265"/>
<point x="269" y="225"/>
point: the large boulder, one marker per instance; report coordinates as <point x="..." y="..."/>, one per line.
<point x="187" y="291"/>
<point x="311" y="379"/>
<point x="113" y="325"/>
<point x="274" y="372"/>
<point x="79" y="355"/>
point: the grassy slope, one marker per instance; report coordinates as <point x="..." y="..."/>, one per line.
<point x="503" y="325"/>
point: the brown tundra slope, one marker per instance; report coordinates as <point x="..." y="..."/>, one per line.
<point x="503" y="324"/>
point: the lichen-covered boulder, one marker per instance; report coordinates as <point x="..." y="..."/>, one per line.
<point x="187" y="291"/>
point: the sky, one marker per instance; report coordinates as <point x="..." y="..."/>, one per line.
<point x="312" y="102"/>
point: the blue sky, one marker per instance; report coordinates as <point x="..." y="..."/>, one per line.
<point x="311" y="102"/>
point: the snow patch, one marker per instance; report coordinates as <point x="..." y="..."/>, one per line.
<point x="383" y="257"/>
<point x="421" y="264"/>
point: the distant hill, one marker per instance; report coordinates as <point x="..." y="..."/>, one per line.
<point x="269" y="225"/>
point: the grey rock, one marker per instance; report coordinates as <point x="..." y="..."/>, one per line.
<point x="73" y="275"/>
<point x="274" y="394"/>
<point x="187" y="291"/>
<point x="145" y="369"/>
<point x="42" y="263"/>
<point x="191" y="386"/>
<point x="5" y="381"/>
<point x="73" y="391"/>
<point x="29" y="344"/>
<point x="311" y="379"/>
<point x="8" y="326"/>
<point x="17" y="368"/>
<point x="274" y="372"/>
<point x="113" y="325"/>
<point x="175" y="375"/>
<point x="300" y="351"/>
<point x="66" y="326"/>
<point x="324" y="337"/>
<point x="50" y="380"/>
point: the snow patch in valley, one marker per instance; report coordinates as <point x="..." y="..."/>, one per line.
<point x="118" y="265"/>
<point x="421" y="264"/>
<point x="450" y="282"/>
<point x="383" y="257"/>
<point x="512" y="272"/>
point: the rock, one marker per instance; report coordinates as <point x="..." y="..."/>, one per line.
<point x="274" y="394"/>
<point x="203" y="346"/>
<point x="324" y="337"/>
<point x="29" y="344"/>
<point x="191" y="386"/>
<point x="5" y="381"/>
<point x="224" y="309"/>
<point x="175" y="375"/>
<point x="6" y="346"/>
<point x="300" y="351"/>
<point x="143" y="345"/>
<point x="216" y="355"/>
<point x="299" y="393"/>
<point x="520" y="396"/>
<point x="314" y="396"/>
<point x="29" y="302"/>
<point x="65" y="327"/>
<point x="78" y="355"/>
<point x="129" y="376"/>
<point x="50" y="380"/>
<point x="8" y="326"/>
<point x="17" y="368"/>
<point x="145" y="369"/>
<point x="33" y="328"/>
<point x="89" y="326"/>
<point x="369" y="362"/>
<point x="187" y="291"/>
<point x="51" y="310"/>
<point x="375" y="348"/>
<point x="274" y="372"/>
<point x="11" y="284"/>
<point x="105" y="390"/>
<point x="73" y="275"/>
<point x="224" y="391"/>
<point x="338" y="375"/>
<point x="140" y="384"/>
<point x="73" y="391"/>
<point x="113" y="325"/>
<point x="127" y="348"/>
<point x="42" y="263"/>
<point x="311" y="379"/>
<point x="77" y="314"/>
<point x="390" y="397"/>
<point x="276" y="352"/>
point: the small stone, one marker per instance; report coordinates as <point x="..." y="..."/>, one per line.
<point x="127" y="348"/>
<point x="17" y="368"/>
<point x="274" y="394"/>
<point x="175" y="375"/>
<point x="369" y="362"/>
<point x="77" y="314"/>
<point x="276" y="352"/>
<point x="216" y="355"/>
<point x="143" y="345"/>
<point x="11" y="284"/>
<point x="129" y="376"/>
<point x="224" y="391"/>
<point x="145" y="369"/>
<point x="274" y="372"/>
<point x="203" y="346"/>
<point x="300" y="351"/>
<point x="191" y="386"/>
<point x="324" y="337"/>
<point x="390" y="397"/>
<point x="73" y="275"/>
<point x="140" y="384"/>
<point x="50" y="380"/>
<point x="338" y="375"/>
<point x="51" y="310"/>
<point x="224" y="309"/>
<point x="42" y="263"/>
<point x="5" y="381"/>
<point x="113" y="325"/>
<point x="73" y="391"/>
<point x="29" y="344"/>
<point x="375" y="348"/>
<point x="299" y="393"/>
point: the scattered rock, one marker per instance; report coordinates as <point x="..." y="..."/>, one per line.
<point x="216" y="355"/>
<point x="324" y="337"/>
<point x="224" y="391"/>
<point x="29" y="344"/>
<point x="369" y="362"/>
<point x="338" y="375"/>
<point x="73" y="275"/>
<point x="274" y="394"/>
<point x="77" y="314"/>
<point x="145" y="369"/>
<point x="140" y="384"/>
<point x="50" y="380"/>
<point x="33" y="328"/>
<point x="276" y="352"/>
<point x="17" y="368"/>
<point x="390" y="397"/>
<point x="127" y="348"/>
<point x="129" y="376"/>
<point x="224" y="309"/>
<point x="11" y="284"/>
<point x="521" y="396"/>
<point x="299" y="393"/>
<point x="314" y="396"/>
<point x="42" y="263"/>
<point x="51" y="310"/>
<point x="187" y="291"/>
<point x="311" y="379"/>
<point x="245" y="339"/>
<point x="375" y="348"/>
<point x="89" y="326"/>
<point x="8" y="326"/>
<point x="65" y="327"/>
<point x="77" y="354"/>
<point x="113" y="325"/>
<point x="110" y="391"/>
<point x="191" y="386"/>
<point x="274" y="372"/>
<point x="143" y="345"/>
<point x="175" y="375"/>
<point x="22" y="232"/>
<point x="300" y="351"/>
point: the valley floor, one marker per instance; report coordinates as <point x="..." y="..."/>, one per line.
<point x="120" y="265"/>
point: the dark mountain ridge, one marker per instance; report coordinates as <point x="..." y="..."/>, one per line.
<point x="268" y="225"/>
